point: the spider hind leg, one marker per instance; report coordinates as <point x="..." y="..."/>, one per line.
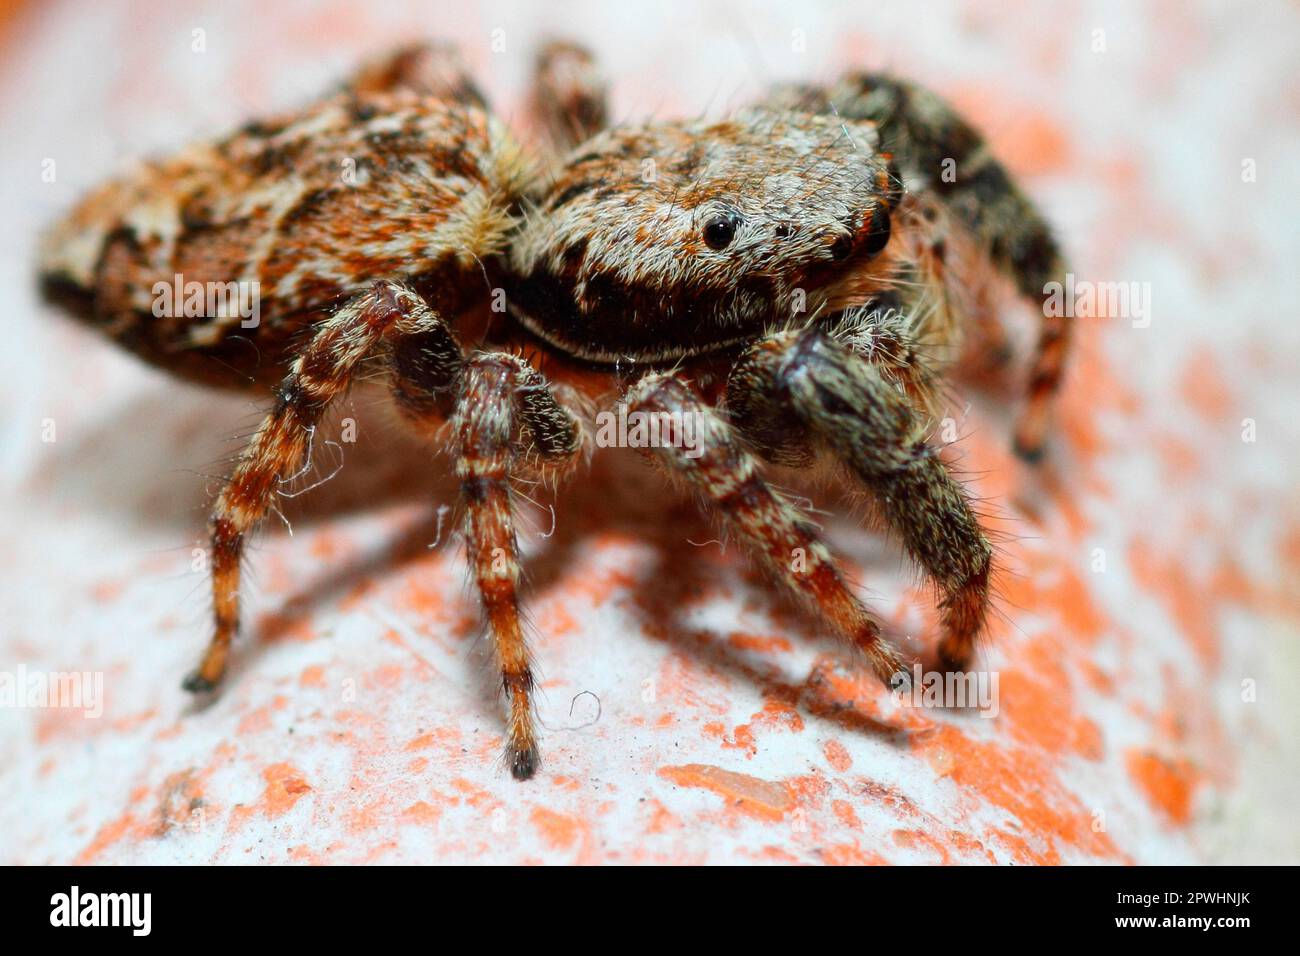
<point x="570" y="94"/>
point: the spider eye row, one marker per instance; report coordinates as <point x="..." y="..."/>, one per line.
<point x="721" y="228"/>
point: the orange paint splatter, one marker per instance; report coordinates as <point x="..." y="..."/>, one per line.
<point x="850" y="854"/>
<point x="1168" y="785"/>
<point x="106" y="592"/>
<point x="285" y="786"/>
<point x="1190" y="603"/>
<point x="1023" y="783"/>
<point x="1203" y="387"/>
<point x="755" y="642"/>
<point x="661" y="818"/>
<point x="765" y="799"/>
<point x="559" y="830"/>
<point x="837" y="756"/>
<point x="110" y="833"/>
<point x="845" y="813"/>
<point x="423" y="813"/>
<point x="912" y="839"/>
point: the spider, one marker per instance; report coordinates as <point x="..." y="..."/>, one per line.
<point x="794" y="280"/>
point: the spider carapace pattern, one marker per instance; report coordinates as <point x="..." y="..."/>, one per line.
<point x="795" y="279"/>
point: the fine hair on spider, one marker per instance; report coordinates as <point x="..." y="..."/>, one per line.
<point x="794" y="279"/>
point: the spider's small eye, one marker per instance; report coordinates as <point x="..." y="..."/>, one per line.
<point x="720" y="230"/>
<point x="878" y="237"/>
<point x="841" y="248"/>
<point x="784" y="230"/>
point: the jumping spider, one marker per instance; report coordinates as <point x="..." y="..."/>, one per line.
<point x="768" y="275"/>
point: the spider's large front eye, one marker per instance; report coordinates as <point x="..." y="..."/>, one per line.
<point x="720" y="230"/>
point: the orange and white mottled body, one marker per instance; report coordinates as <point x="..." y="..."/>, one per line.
<point x="768" y="277"/>
<point x="304" y="210"/>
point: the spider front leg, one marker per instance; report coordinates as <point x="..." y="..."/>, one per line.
<point x="838" y="399"/>
<point x="424" y="359"/>
<point x="503" y="400"/>
<point x="717" y="466"/>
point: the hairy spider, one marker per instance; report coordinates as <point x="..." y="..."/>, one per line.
<point x="768" y="277"/>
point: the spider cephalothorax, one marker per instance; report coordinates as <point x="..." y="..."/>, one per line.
<point x="680" y="238"/>
<point x="779" y="246"/>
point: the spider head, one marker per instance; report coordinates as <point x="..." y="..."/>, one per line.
<point x="676" y="239"/>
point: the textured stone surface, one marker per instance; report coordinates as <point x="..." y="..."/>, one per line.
<point x="690" y="718"/>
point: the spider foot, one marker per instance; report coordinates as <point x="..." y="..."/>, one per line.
<point x="196" y="683"/>
<point x="524" y="761"/>
<point x="1031" y="453"/>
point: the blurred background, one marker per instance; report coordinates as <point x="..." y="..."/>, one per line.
<point x="1148" y="649"/>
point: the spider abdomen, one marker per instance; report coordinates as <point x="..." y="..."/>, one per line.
<point x="210" y="262"/>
